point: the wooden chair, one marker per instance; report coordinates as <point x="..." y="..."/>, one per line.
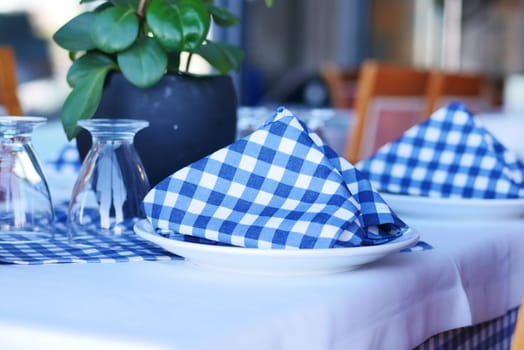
<point x="390" y="99"/>
<point x="444" y="87"/>
<point x="8" y="82"/>
<point x="340" y="83"/>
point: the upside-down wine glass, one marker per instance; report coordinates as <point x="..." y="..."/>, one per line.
<point x="111" y="183"/>
<point x="26" y="210"/>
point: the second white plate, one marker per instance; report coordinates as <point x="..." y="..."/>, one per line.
<point x="276" y="261"/>
<point x="455" y="208"/>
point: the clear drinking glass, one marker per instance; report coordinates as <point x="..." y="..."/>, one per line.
<point x="112" y="181"/>
<point x="26" y="210"/>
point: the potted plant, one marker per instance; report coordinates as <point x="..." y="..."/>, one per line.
<point x="132" y="59"/>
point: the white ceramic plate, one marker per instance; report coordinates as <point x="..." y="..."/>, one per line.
<point x="276" y="261"/>
<point x="455" y="208"/>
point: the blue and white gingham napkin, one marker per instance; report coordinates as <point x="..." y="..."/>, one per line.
<point x="280" y="187"/>
<point x="449" y="155"/>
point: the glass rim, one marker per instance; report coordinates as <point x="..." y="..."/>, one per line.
<point x="113" y="122"/>
<point x="13" y="118"/>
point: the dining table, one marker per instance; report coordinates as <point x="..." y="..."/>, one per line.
<point x="461" y="285"/>
<point x="473" y="274"/>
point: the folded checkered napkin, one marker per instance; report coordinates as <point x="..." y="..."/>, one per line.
<point x="449" y="155"/>
<point x="280" y="187"/>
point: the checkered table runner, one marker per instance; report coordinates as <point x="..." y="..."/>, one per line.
<point x="65" y="161"/>
<point x="449" y="155"/>
<point x="280" y="187"/>
<point x="91" y="249"/>
<point x="495" y="334"/>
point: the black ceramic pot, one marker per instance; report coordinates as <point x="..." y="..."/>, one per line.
<point x="189" y="118"/>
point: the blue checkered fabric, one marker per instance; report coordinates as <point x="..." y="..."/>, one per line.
<point x="449" y="155"/>
<point x="279" y="187"/>
<point x="65" y="161"/>
<point x="91" y="249"/>
<point x="490" y="335"/>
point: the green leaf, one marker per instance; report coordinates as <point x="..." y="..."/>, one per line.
<point x="269" y="3"/>
<point x="86" y="1"/>
<point x="222" y="17"/>
<point x="164" y="21"/>
<point x="88" y="64"/>
<point x="195" y="21"/>
<point x="75" y="35"/>
<point x="222" y="56"/>
<point x="82" y="101"/>
<point x="180" y="25"/>
<point x="115" y="29"/>
<point x="144" y="63"/>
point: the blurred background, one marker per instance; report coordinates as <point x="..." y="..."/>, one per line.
<point x="287" y="45"/>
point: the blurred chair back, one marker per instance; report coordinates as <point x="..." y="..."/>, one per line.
<point x="340" y="84"/>
<point x="445" y="87"/>
<point x="517" y="341"/>
<point x="8" y="82"/>
<point x="390" y="99"/>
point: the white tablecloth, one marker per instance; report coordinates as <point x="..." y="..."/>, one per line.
<point x="489" y="257"/>
<point x="474" y="273"/>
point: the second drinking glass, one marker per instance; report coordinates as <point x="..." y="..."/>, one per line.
<point x="111" y="184"/>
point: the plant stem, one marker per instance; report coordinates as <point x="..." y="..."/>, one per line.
<point x="188" y="63"/>
<point x="142" y="7"/>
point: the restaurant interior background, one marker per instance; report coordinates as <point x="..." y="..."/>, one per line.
<point x="287" y="44"/>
